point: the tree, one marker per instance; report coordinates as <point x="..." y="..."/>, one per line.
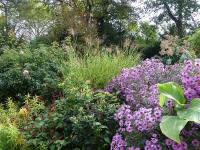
<point x="180" y="12"/>
<point x="112" y="18"/>
<point x="105" y="19"/>
<point x="8" y="14"/>
<point x="34" y="19"/>
<point x="7" y="8"/>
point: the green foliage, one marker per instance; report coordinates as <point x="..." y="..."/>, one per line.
<point x="8" y="112"/>
<point x="173" y="91"/>
<point x="195" y="42"/>
<point x="9" y="40"/>
<point x="36" y="19"/>
<point x="98" y="68"/>
<point x="85" y="20"/>
<point x="151" y="50"/>
<point x="30" y="71"/>
<point x="10" y="137"/>
<point x="82" y="120"/>
<point x="146" y="34"/>
<point x="192" y="113"/>
<point x="38" y="41"/>
<point x="146" y="38"/>
<point x="171" y="126"/>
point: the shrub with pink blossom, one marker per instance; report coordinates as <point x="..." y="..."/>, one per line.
<point x="139" y="117"/>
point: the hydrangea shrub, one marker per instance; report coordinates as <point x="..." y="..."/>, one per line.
<point x="174" y="49"/>
<point x="139" y="117"/>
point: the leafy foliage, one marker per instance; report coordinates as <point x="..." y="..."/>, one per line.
<point x="30" y="71"/>
<point x="194" y="42"/>
<point x="171" y="126"/>
<point x="98" y="18"/>
<point x="10" y="137"/>
<point x="82" y="120"/>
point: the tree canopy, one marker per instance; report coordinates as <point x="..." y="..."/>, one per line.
<point x="110" y="21"/>
<point x="180" y="12"/>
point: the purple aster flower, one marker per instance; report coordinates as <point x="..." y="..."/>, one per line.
<point x="141" y="112"/>
<point x="195" y="143"/>
<point x="168" y="142"/>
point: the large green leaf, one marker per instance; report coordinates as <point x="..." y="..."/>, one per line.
<point x="163" y="99"/>
<point x="171" y="127"/>
<point x="192" y="113"/>
<point x="173" y="91"/>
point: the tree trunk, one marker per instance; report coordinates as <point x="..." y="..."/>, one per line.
<point x="179" y="23"/>
<point x="180" y="29"/>
<point x="179" y="19"/>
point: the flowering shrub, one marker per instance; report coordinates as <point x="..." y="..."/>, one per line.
<point x="139" y="116"/>
<point x="190" y="77"/>
<point x="174" y="50"/>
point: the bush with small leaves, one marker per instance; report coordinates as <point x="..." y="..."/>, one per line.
<point x="81" y="120"/>
<point x="30" y="71"/>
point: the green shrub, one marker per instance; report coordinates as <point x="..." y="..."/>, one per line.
<point x="82" y="120"/>
<point x="30" y="71"/>
<point x="8" y="113"/>
<point x="99" y="68"/>
<point x="10" y="137"/>
<point x="10" y="40"/>
<point x="195" y="42"/>
<point x="41" y="40"/>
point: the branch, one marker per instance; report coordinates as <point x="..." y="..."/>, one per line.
<point x="170" y="12"/>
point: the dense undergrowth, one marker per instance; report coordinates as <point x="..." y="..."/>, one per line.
<point x="53" y="97"/>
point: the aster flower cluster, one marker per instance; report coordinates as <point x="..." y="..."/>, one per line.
<point x="138" y="85"/>
<point x="141" y="113"/>
<point x="146" y="119"/>
<point x="118" y="142"/>
<point x="152" y="144"/>
<point x="138" y="88"/>
<point x="125" y="117"/>
<point x="175" y="146"/>
<point x="190" y="76"/>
